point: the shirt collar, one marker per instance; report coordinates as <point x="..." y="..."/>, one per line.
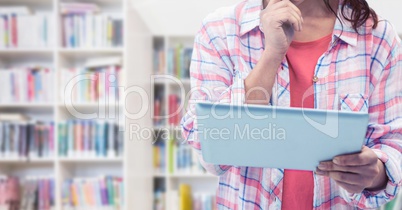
<point x="250" y="16"/>
<point x="343" y="29"/>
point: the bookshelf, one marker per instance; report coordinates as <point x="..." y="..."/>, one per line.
<point x="145" y="28"/>
<point x="57" y="57"/>
<point x="162" y="39"/>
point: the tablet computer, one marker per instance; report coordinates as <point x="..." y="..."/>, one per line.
<point x="277" y="137"/>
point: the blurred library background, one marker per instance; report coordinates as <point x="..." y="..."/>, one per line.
<point x="65" y="141"/>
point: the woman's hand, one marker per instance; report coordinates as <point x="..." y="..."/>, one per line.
<point x="279" y="20"/>
<point x="356" y="172"/>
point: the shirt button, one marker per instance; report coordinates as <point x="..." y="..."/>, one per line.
<point x="315" y="79"/>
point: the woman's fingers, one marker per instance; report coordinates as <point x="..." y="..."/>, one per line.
<point x="330" y="166"/>
<point x="286" y="15"/>
<point x="281" y="13"/>
<point x="284" y="4"/>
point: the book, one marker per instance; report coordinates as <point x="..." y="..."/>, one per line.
<point x="20" y="27"/>
<point x="23" y="139"/>
<point x="159" y="198"/>
<point x="30" y="192"/>
<point x="85" y="85"/>
<point x="23" y="85"/>
<point x="159" y="155"/>
<point x="94" y="193"/>
<point x="180" y="158"/>
<point x="85" y="26"/>
<point x="89" y="138"/>
<point x="186" y="202"/>
<point x="186" y="199"/>
<point x="178" y="61"/>
<point x="175" y="113"/>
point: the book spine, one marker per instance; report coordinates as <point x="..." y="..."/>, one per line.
<point x="31" y="139"/>
<point x="104" y="192"/>
<point x="73" y="41"/>
<point x="110" y="190"/>
<point x="6" y="139"/>
<point x="85" y="137"/>
<point x="90" y="193"/>
<point x="16" y="138"/>
<point x="30" y="86"/>
<point x="6" y="31"/>
<point x="2" y="139"/>
<point x="66" y="201"/>
<point x="60" y="139"/>
<point x="93" y="139"/>
<point x="14" y="41"/>
<point x="51" y="139"/>
<point x="78" y="138"/>
<point x="111" y="140"/>
<point x="70" y="135"/>
<point x="2" y="32"/>
<point x="74" y="192"/>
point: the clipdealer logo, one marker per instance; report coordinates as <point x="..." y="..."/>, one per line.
<point x="243" y="132"/>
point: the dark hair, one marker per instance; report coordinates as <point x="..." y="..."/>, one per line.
<point x="361" y="12"/>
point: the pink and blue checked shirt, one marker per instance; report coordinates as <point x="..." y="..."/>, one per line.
<point x="359" y="72"/>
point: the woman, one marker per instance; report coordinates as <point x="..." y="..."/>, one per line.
<point x="324" y="54"/>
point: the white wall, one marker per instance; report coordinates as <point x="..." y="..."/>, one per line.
<point x="189" y="13"/>
<point x="390" y="10"/>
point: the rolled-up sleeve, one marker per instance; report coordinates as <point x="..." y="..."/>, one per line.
<point x="384" y="134"/>
<point x="213" y="79"/>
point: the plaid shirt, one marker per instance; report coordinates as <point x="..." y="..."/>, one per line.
<point x="359" y="72"/>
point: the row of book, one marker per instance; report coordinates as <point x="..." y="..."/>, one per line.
<point x="21" y="85"/>
<point x="159" y="61"/>
<point x="85" y="138"/>
<point x="174" y="112"/>
<point x="26" y="139"/>
<point x="159" y="194"/>
<point x="159" y="156"/>
<point x="85" y="26"/>
<point x="30" y="193"/>
<point x="86" y="84"/>
<point x="177" y="62"/>
<point x="185" y="199"/>
<point x="204" y="201"/>
<point x="159" y="104"/>
<point x="93" y="193"/>
<point x="175" y="157"/>
<point x="182" y="159"/>
<point x="21" y="28"/>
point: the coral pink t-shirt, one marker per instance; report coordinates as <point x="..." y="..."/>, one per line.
<point x="298" y="186"/>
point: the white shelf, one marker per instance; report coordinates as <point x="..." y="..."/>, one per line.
<point x="25" y="160"/>
<point x="91" y="160"/>
<point x="88" y="105"/>
<point x="27" y="105"/>
<point x="89" y="51"/>
<point x="17" y="51"/>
